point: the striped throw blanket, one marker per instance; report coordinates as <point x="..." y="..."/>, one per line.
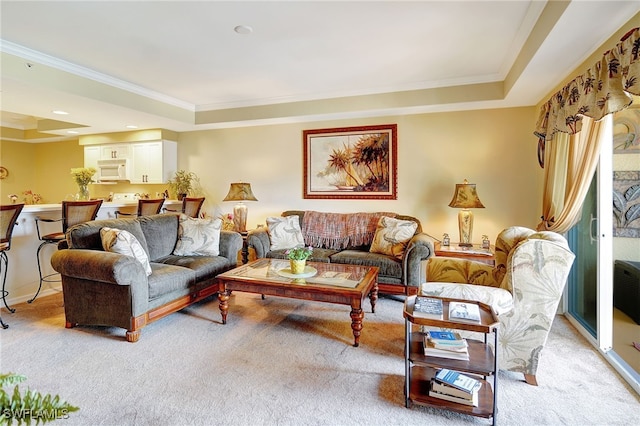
<point x="338" y="231"/>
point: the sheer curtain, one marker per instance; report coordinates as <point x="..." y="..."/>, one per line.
<point x="568" y="127"/>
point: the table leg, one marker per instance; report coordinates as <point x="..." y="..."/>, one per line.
<point x="223" y="297"/>
<point x="357" y="314"/>
<point x="373" y="297"/>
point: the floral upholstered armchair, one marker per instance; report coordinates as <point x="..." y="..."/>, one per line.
<point x="524" y="288"/>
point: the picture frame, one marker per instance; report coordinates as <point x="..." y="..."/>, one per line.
<point x="351" y="163"/>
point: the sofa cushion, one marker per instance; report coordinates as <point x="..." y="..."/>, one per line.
<point x="123" y="242"/>
<point x="205" y="267"/>
<point x="87" y="235"/>
<point x="284" y="232"/>
<point x="198" y="237"/>
<point x="166" y="279"/>
<point x="392" y="236"/>
<point x="161" y="233"/>
<point x="388" y="266"/>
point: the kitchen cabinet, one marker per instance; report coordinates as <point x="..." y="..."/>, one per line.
<point x="153" y="162"/>
<point x="121" y="150"/>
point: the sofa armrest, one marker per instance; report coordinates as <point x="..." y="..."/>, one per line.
<point x="258" y="239"/>
<point x="230" y="245"/>
<point x="101" y="266"/>
<point x="419" y="248"/>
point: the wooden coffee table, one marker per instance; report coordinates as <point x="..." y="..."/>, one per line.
<point x="333" y="283"/>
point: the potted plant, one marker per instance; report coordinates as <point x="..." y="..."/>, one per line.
<point x="183" y="183"/>
<point x="298" y="258"/>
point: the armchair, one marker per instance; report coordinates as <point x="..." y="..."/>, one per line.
<point x="524" y="288"/>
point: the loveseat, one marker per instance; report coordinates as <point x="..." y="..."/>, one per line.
<point x="129" y="272"/>
<point x="392" y="242"/>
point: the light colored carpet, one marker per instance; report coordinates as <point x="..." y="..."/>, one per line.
<point x="282" y="362"/>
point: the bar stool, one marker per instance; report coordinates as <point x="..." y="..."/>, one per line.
<point x="8" y="217"/>
<point x="73" y="213"/>
<point x="190" y="206"/>
<point x="145" y="208"/>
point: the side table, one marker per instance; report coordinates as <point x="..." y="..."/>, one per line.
<point x="476" y="252"/>
<point x="483" y="361"/>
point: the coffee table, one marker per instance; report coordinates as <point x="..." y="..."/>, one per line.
<point x="333" y="283"/>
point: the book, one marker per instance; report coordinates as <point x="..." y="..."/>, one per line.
<point x="464" y="312"/>
<point x="429" y="350"/>
<point x="446" y="340"/>
<point x="449" y="348"/>
<point x="450" y="390"/>
<point x="427" y="307"/>
<point x="472" y="402"/>
<point x="456" y="379"/>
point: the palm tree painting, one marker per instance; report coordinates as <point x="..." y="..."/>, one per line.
<point x="357" y="162"/>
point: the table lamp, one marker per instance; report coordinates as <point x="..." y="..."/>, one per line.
<point x="465" y="197"/>
<point x="240" y="191"/>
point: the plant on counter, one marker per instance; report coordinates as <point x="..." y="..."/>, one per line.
<point x="299" y="253"/>
<point x="83" y="177"/>
<point x="184" y="183"/>
<point x="31" y="197"/>
<point x="32" y="406"/>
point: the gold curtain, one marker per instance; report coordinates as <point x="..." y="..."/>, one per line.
<point x="568" y="125"/>
<point x="572" y="162"/>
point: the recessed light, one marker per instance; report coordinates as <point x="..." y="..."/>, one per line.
<point x="131" y="126"/>
<point x="72" y="132"/>
<point x="60" y="112"/>
<point x="243" y="29"/>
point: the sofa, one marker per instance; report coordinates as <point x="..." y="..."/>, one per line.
<point x="350" y="238"/>
<point x="524" y="289"/>
<point x="132" y="271"/>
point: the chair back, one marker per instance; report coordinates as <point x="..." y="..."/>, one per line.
<point x="75" y="212"/>
<point x="8" y="218"/>
<point x="191" y="206"/>
<point x="149" y="207"/>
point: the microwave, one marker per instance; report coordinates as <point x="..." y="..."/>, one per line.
<point x="113" y="170"/>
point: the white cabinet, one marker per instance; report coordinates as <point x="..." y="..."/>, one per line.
<point x="153" y="162"/>
<point x="91" y="157"/>
<point x="122" y="150"/>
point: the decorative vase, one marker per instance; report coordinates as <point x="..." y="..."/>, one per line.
<point x="297" y="266"/>
<point x="83" y="192"/>
<point x="181" y="196"/>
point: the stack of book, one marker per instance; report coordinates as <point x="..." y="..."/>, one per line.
<point x="455" y="387"/>
<point x="446" y="344"/>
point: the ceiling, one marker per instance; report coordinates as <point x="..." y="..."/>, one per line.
<point x="179" y="65"/>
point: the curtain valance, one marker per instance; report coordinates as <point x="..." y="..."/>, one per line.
<point x="605" y="88"/>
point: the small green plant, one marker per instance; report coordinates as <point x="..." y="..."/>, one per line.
<point x="184" y="182"/>
<point x="299" y="253"/>
<point x="30" y="407"/>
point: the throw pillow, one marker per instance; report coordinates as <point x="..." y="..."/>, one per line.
<point x="392" y="236"/>
<point x="124" y="242"/>
<point x="285" y="232"/>
<point x="198" y="237"/>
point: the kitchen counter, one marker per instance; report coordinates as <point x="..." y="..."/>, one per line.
<point x="22" y="273"/>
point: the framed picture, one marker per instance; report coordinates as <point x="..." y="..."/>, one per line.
<point x="351" y="162"/>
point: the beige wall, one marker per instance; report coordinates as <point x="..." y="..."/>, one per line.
<point x="493" y="148"/>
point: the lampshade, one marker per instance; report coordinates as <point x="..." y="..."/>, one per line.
<point x="466" y="197"/>
<point x="240" y="191"/>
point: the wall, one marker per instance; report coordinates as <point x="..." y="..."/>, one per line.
<point x="17" y="158"/>
<point x="494" y="149"/>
